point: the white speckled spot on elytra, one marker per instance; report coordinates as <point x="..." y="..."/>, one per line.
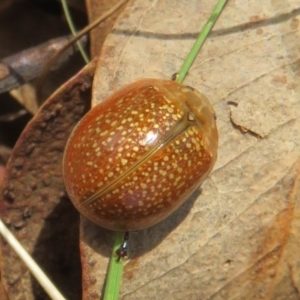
<point x="103" y="133"/>
<point x="124" y="161"/>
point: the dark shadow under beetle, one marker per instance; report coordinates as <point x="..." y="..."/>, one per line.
<point x="140" y="242"/>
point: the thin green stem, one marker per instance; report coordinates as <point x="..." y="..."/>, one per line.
<point x="73" y="30"/>
<point x="114" y="276"/>
<point x="200" y="40"/>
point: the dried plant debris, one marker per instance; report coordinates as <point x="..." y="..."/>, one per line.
<point x="27" y="65"/>
<point x="34" y="203"/>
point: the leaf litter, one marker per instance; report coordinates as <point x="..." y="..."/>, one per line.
<point x="238" y="237"/>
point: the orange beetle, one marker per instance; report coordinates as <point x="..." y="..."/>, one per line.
<point x="138" y="155"/>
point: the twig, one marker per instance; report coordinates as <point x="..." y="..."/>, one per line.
<point x="27" y="65"/>
<point x="37" y="272"/>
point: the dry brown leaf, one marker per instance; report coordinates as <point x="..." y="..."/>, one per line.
<point x="34" y="204"/>
<point x="239" y="238"/>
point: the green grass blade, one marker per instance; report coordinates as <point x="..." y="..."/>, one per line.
<point x="113" y="280"/>
<point x="200" y="40"/>
<point x="73" y="30"/>
<point x="114" y="276"/>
